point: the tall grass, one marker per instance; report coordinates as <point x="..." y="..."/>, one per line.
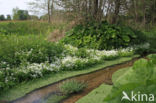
<point x="26" y="27"/>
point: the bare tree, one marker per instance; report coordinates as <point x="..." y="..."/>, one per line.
<point x="42" y="7"/>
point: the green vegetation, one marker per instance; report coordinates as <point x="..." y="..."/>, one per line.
<point x="20" y="51"/>
<point x="139" y="78"/>
<point x="26" y="87"/>
<point x="119" y="73"/>
<point x="26" y="28"/>
<point x="55" y="99"/>
<point x="151" y="37"/>
<point x="20" y="14"/>
<point x="102" y="36"/>
<point x="2" y="17"/>
<point x="8" y="17"/>
<point x="27" y="57"/>
<point x="97" y="95"/>
<point x="104" y="32"/>
<point x="72" y="86"/>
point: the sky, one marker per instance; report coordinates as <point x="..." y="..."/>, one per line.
<point x="6" y="6"/>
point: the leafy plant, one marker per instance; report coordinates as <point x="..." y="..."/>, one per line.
<point x="140" y="78"/>
<point x="82" y="53"/>
<point x="152" y="57"/>
<point x="102" y="36"/>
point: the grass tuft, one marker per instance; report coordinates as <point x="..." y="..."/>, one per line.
<point x="72" y="86"/>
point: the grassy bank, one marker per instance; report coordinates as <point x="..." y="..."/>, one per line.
<point x="140" y="77"/>
<point x="98" y="94"/>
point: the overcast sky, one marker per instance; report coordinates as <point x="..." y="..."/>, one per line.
<point x="6" y="6"/>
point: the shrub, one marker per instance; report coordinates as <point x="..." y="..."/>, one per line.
<point x="16" y="50"/>
<point x="72" y="86"/>
<point x="82" y="53"/>
<point x="102" y="36"/>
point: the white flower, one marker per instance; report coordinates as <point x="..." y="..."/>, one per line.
<point x="70" y="47"/>
<point x="6" y="80"/>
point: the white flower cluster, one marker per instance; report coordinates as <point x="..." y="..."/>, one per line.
<point x="70" y="61"/>
<point x="4" y="65"/>
<point x="143" y="46"/>
<point x="24" y="53"/>
<point x="70" y="47"/>
<point x="36" y="70"/>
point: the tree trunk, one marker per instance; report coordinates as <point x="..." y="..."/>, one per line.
<point x="96" y="8"/>
<point x="116" y="12"/>
<point x="134" y="2"/>
<point x="52" y="7"/>
<point x="100" y="10"/>
<point x="49" y="16"/>
<point x="144" y="8"/>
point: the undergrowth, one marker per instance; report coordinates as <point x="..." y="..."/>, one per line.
<point x="103" y="36"/>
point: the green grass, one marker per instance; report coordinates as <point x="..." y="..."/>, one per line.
<point x="119" y="73"/>
<point x="26" y="27"/>
<point x="126" y="79"/>
<point x="72" y="86"/>
<point x="26" y="87"/>
<point x="97" y="95"/>
<point x="55" y="99"/>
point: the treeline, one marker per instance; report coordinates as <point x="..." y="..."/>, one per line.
<point x="2" y="17"/>
<point x="134" y="13"/>
<point x="139" y="13"/>
<point x="131" y="12"/>
<point x="19" y="14"/>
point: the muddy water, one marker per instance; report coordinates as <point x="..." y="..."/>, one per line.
<point x="93" y="80"/>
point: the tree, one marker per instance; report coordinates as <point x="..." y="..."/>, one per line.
<point x="116" y="11"/>
<point x="42" y="6"/>
<point x="49" y="15"/>
<point x="96" y="5"/>
<point x="8" y="17"/>
<point x="15" y="15"/>
<point x="2" y="17"/>
<point x="33" y="17"/>
<point x="128" y="12"/>
<point x="20" y="14"/>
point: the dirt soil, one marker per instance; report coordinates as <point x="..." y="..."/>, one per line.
<point x="93" y="79"/>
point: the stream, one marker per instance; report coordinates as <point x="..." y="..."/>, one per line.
<point x="93" y="79"/>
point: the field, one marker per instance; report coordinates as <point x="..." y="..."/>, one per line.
<point x="29" y="60"/>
